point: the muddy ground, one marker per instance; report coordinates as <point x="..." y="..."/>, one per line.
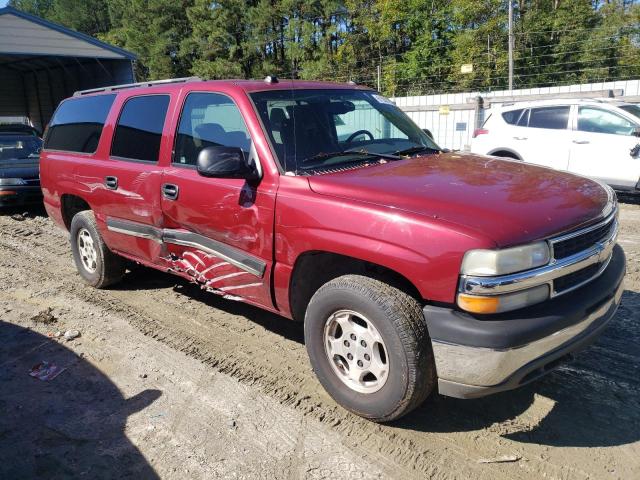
<point x="167" y="381"/>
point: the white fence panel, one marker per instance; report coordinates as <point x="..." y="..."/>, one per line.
<point x="453" y="127"/>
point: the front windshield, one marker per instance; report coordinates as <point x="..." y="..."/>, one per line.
<point x="315" y="130"/>
<point x="19" y="146"/>
<point x="632" y="109"/>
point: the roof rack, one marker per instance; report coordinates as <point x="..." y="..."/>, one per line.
<point x="133" y="85"/>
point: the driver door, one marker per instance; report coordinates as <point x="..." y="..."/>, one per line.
<point x="219" y="231"/>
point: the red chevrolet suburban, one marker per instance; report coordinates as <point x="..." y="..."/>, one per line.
<point x="414" y="270"/>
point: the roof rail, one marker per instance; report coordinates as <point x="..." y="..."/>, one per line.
<point x="133" y="85"/>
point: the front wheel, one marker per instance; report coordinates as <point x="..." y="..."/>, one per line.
<point x="368" y="345"/>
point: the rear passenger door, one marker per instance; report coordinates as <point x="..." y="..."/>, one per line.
<point x="545" y="140"/>
<point x="219" y="231"/>
<point x="131" y="178"/>
<point x="514" y="135"/>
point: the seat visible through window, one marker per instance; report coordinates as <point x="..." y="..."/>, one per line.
<point x="209" y="119"/>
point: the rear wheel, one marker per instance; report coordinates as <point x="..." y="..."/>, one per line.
<point x="368" y="345"/>
<point x="96" y="264"/>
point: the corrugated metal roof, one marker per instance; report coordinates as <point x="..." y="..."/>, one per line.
<point x="28" y="35"/>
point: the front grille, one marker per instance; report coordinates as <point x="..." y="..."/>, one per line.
<point x="579" y="243"/>
<point x="567" y="282"/>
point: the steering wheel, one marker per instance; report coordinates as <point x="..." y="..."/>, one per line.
<point x="358" y="133"/>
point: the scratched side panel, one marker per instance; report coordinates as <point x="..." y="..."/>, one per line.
<point x="231" y="212"/>
<point x="214" y="274"/>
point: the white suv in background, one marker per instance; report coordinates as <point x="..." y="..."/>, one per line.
<point x="598" y="138"/>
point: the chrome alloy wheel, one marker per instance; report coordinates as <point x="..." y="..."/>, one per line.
<point x="87" y="250"/>
<point x="356" y="351"/>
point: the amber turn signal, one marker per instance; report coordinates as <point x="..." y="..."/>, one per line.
<point x="476" y="304"/>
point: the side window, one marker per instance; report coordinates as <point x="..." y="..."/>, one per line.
<point x="596" y="120"/>
<point x="77" y="124"/>
<point x="209" y="119"/>
<point x="512" y="116"/>
<point x="524" y="118"/>
<point x="555" y="118"/>
<point x="139" y="129"/>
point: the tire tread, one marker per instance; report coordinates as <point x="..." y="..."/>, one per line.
<point x="113" y="266"/>
<point x="405" y="313"/>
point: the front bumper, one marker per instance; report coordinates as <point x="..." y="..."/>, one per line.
<point x="478" y="356"/>
<point x="20" y="195"/>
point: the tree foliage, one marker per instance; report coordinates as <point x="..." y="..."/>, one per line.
<point x="418" y="46"/>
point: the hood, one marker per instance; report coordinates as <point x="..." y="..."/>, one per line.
<point x="27" y="168"/>
<point x="508" y="201"/>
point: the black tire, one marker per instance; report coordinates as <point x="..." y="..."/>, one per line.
<point x="109" y="267"/>
<point x="505" y="154"/>
<point x="400" y="322"/>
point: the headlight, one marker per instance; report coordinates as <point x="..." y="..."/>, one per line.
<point x="11" y="182"/>
<point x="503" y="303"/>
<point x="509" y="260"/>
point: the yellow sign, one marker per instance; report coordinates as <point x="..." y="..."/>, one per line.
<point x="466" y="68"/>
<point x="444" y="110"/>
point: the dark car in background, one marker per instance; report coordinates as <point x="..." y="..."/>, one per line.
<point x="19" y="169"/>
<point x="19" y="128"/>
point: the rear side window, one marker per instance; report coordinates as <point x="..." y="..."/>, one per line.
<point x="512" y="116"/>
<point x="77" y="124"/>
<point x="524" y="119"/>
<point x="555" y="118"/>
<point x="139" y="129"/>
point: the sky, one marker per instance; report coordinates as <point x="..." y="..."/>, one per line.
<point x="3" y="3"/>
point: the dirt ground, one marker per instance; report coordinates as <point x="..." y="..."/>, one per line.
<point x="166" y="381"/>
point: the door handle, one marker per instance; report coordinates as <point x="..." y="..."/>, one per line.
<point x="519" y="138"/>
<point x="581" y="142"/>
<point x="111" y="183"/>
<point x="170" y="191"/>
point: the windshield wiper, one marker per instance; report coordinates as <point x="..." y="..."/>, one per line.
<point x="417" y="149"/>
<point x="344" y="153"/>
<point x="364" y="151"/>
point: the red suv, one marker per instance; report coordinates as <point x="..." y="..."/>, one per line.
<point x="413" y="270"/>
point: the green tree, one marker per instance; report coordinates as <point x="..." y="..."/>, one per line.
<point x="420" y="45"/>
<point x="218" y="43"/>
<point x="153" y="29"/>
<point x="40" y="8"/>
<point x="86" y="16"/>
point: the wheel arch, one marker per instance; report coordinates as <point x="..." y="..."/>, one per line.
<point x="70" y="205"/>
<point x="314" y="268"/>
<point x="506" y="153"/>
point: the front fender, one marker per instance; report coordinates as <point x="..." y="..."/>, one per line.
<point x="427" y="252"/>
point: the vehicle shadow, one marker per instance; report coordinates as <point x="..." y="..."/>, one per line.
<point x="24" y="211"/>
<point x="67" y="427"/>
<point x="572" y="406"/>
<point x="630" y="199"/>
<point x="142" y="278"/>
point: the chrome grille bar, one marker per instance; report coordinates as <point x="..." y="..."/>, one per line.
<point x="599" y="253"/>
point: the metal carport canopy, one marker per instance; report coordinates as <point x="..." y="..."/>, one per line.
<point x="42" y="63"/>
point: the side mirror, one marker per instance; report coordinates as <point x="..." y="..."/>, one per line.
<point x="636" y="132"/>
<point x="428" y="132"/>
<point x="224" y="162"/>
